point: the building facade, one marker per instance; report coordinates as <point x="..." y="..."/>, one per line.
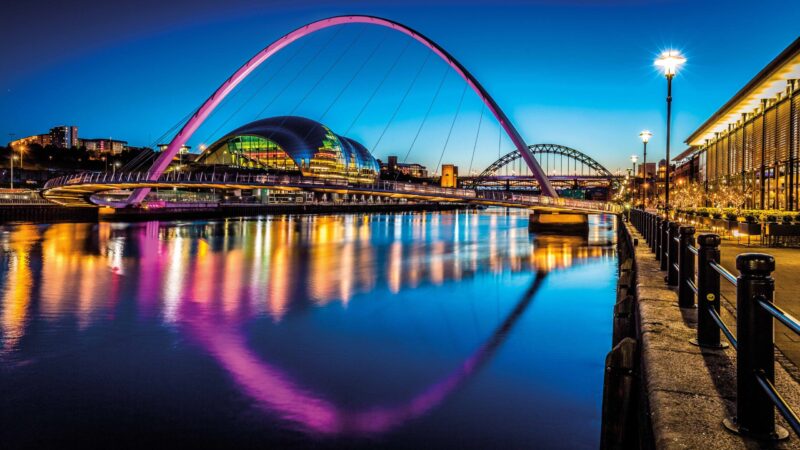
<point x="409" y="169"/>
<point x="750" y="145"/>
<point x="37" y="139"/>
<point x="104" y="146"/>
<point x="64" y="136"/>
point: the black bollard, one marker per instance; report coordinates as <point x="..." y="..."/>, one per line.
<point x="672" y="260"/>
<point x="686" y="268"/>
<point x="708" y="332"/>
<point x="663" y="241"/>
<point x="755" y="356"/>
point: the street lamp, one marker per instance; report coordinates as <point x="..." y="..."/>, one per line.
<point x="13" y="158"/>
<point x="645" y="135"/>
<point x="669" y="62"/>
<point x="634" y="158"/>
<point x="114" y="169"/>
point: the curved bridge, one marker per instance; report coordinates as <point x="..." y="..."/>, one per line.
<point x="596" y="169"/>
<point x="78" y="190"/>
<point x="163" y="161"/>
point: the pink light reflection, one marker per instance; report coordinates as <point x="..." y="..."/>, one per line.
<point x="275" y="391"/>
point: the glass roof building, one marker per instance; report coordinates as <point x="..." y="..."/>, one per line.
<point x="295" y="145"/>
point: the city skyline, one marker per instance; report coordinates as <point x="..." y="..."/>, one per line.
<point x="143" y="91"/>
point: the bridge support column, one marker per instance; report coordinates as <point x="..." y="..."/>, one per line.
<point x="558" y="222"/>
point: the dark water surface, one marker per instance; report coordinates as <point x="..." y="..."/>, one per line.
<point x="437" y="330"/>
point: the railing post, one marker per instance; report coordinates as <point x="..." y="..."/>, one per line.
<point x="686" y="271"/>
<point x="664" y="244"/>
<point x="657" y="238"/>
<point x="755" y="412"/>
<point x="674" y="250"/>
<point x="708" y="333"/>
<point x="653" y="233"/>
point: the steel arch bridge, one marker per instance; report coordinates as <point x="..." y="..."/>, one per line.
<point x="211" y="103"/>
<point x="588" y="166"/>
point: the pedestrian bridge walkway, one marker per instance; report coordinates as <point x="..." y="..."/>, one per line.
<point x="81" y="189"/>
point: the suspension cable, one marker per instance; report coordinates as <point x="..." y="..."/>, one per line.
<point x="452" y="125"/>
<point x="377" y="88"/>
<point x="314" y="86"/>
<point x="352" y="78"/>
<point x="424" y="118"/>
<point x="427" y="113"/>
<point x="402" y="101"/>
<point x="257" y="91"/>
<point x="475" y="145"/>
<point x="300" y="72"/>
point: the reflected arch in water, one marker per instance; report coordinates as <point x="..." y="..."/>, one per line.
<point x="275" y="391"/>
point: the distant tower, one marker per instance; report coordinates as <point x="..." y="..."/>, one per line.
<point x="449" y="176"/>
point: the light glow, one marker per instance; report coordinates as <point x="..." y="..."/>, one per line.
<point x="670" y="61"/>
<point x="645" y="135"/>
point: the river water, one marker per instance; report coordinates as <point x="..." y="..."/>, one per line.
<point x="424" y="330"/>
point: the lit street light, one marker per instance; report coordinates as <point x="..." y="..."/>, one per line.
<point x="634" y="158"/>
<point x="645" y="135"/>
<point x="114" y="169"/>
<point x="13" y="158"/>
<point x="669" y="62"/>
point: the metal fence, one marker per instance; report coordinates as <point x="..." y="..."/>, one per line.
<point x="693" y="266"/>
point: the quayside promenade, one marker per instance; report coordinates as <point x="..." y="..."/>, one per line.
<point x="691" y="392"/>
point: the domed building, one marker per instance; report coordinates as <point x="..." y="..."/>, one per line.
<point x="294" y="145"/>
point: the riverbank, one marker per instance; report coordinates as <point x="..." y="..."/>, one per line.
<point x="55" y="213"/>
<point x="688" y="390"/>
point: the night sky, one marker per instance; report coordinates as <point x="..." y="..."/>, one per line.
<point x="578" y="73"/>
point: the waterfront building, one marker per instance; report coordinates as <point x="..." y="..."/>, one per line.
<point x="292" y="144"/>
<point x="104" y="146"/>
<point x="751" y="143"/>
<point x="449" y="176"/>
<point x="37" y="139"/>
<point x="64" y="136"/>
<point x="408" y="169"/>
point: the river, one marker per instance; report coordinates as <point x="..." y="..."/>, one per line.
<point x="423" y="330"/>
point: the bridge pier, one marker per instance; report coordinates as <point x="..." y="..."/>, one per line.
<point x="558" y="222"/>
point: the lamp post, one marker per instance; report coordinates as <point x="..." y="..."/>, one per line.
<point x="114" y="169"/>
<point x="645" y="135"/>
<point x="669" y="62"/>
<point x="13" y="157"/>
<point x="634" y="158"/>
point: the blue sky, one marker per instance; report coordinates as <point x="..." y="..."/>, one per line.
<point x="576" y="72"/>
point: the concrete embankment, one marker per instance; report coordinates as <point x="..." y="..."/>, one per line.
<point x="684" y="391"/>
<point x="47" y="213"/>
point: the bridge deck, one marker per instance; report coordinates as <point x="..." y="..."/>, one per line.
<point x="77" y="190"/>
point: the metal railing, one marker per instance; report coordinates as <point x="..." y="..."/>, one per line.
<point x="694" y="268"/>
<point x="256" y="179"/>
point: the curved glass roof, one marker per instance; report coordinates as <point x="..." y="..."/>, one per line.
<point x="314" y="148"/>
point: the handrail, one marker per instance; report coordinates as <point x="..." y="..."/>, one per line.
<point x="724" y="272"/>
<point x="724" y="327"/>
<point x="781" y="315"/>
<point x="777" y="399"/>
<point x="756" y="391"/>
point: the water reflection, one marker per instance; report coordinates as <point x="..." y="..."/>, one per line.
<point x="210" y="281"/>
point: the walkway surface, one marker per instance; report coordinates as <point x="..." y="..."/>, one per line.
<point x="689" y="390"/>
<point x="787" y="288"/>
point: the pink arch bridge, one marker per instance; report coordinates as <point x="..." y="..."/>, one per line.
<point x="162" y="162"/>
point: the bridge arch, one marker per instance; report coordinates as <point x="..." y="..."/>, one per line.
<point x="188" y="129"/>
<point x="544" y="149"/>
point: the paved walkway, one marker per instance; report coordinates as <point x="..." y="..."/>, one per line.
<point x="787" y="288"/>
<point x="690" y="389"/>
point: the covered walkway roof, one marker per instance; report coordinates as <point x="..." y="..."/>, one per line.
<point x="766" y="84"/>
